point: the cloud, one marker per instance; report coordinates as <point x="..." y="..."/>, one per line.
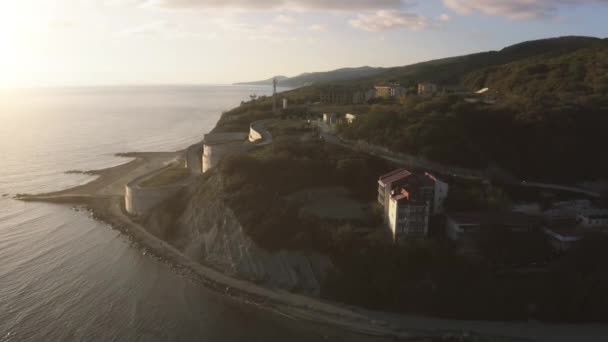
<point x="62" y="24"/>
<point x="317" y="28"/>
<point x="384" y="20"/>
<point x="230" y="25"/>
<point x="244" y="31"/>
<point x="515" y="9"/>
<point x="164" y="29"/>
<point x="335" y="5"/>
<point x="444" y="18"/>
<point x="283" y="19"/>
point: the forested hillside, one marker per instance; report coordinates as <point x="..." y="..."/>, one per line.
<point x="549" y="123"/>
<point x="306" y="79"/>
<point x="450" y="71"/>
<point x="579" y="77"/>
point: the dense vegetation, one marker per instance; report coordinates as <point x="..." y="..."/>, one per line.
<point x="169" y="176"/>
<point x="477" y="197"/>
<point x="450" y="71"/>
<point x="576" y="78"/>
<point x="431" y="277"/>
<point x="262" y="181"/>
<point x="553" y="144"/>
<point x="443" y="71"/>
<point x="548" y="124"/>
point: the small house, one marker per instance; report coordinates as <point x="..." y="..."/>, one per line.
<point x="330" y="118"/>
<point x="350" y="118"/>
<point x="427" y="89"/>
<point x="563" y="238"/>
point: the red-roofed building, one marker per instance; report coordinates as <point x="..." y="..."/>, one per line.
<point x="408" y="215"/>
<point x="408" y="200"/>
<point x="389" y="182"/>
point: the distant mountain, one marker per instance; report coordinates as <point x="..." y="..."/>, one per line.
<point x="265" y="82"/>
<point x="446" y="71"/>
<point x="452" y="70"/>
<point x="306" y="79"/>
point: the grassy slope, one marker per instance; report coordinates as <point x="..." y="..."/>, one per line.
<point x="169" y="176"/>
<point x="264" y="180"/>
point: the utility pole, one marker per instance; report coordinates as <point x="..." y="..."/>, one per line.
<point x="274" y="95"/>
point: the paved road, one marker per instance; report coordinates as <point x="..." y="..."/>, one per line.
<point x="468" y="174"/>
<point x="561" y="188"/>
<point x="260" y="127"/>
<point x="398" y="158"/>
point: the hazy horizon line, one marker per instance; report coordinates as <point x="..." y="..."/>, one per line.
<point x="131" y="85"/>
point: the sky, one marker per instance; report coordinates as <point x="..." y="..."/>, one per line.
<point x="134" y="42"/>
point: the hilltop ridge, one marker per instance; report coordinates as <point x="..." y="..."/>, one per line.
<point x="309" y="78"/>
<point x="449" y="70"/>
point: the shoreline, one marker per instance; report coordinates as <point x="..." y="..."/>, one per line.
<point x="104" y="197"/>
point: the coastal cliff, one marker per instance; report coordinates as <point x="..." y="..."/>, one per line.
<point x="200" y="224"/>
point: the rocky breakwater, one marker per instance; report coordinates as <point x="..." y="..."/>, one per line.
<point x="148" y="191"/>
<point x="218" y="146"/>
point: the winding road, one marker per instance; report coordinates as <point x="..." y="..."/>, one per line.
<point x="457" y="172"/>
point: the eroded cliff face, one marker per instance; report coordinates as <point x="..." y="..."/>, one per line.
<point x="200" y="224"/>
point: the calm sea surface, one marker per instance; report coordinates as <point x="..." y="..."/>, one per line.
<point x="64" y="276"/>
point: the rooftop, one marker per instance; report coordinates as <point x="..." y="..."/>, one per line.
<point x="594" y="213"/>
<point x="566" y="231"/>
<point x="396" y="175"/>
<point x="404" y="196"/>
<point x="580" y="204"/>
